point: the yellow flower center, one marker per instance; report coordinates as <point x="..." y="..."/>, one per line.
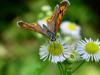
<point x="92" y="48"/>
<point x="71" y="26"/>
<point x="55" y="48"/>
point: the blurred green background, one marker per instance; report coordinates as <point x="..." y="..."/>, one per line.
<point x="19" y="48"/>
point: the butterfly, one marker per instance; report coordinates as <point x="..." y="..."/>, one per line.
<point x="53" y="23"/>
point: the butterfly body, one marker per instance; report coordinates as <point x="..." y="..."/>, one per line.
<point x="52" y="36"/>
<point x="53" y="23"/>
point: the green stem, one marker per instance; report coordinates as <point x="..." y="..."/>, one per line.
<point x="77" y="67"/>
<point x="65" y="72"/>
<point x="61" y="69"/>
<point x="68" y="70"/>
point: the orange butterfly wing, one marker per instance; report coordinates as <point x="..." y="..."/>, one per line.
<point x="33" y="27"/>
<point x="55" y="21"/>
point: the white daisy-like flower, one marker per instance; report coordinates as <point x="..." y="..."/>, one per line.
<point x="55" y="51"/>
<point x="89" y="49"/>
<point x="69" y="28"/>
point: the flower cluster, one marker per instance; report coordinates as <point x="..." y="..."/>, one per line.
<point x="60" y="51"/>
